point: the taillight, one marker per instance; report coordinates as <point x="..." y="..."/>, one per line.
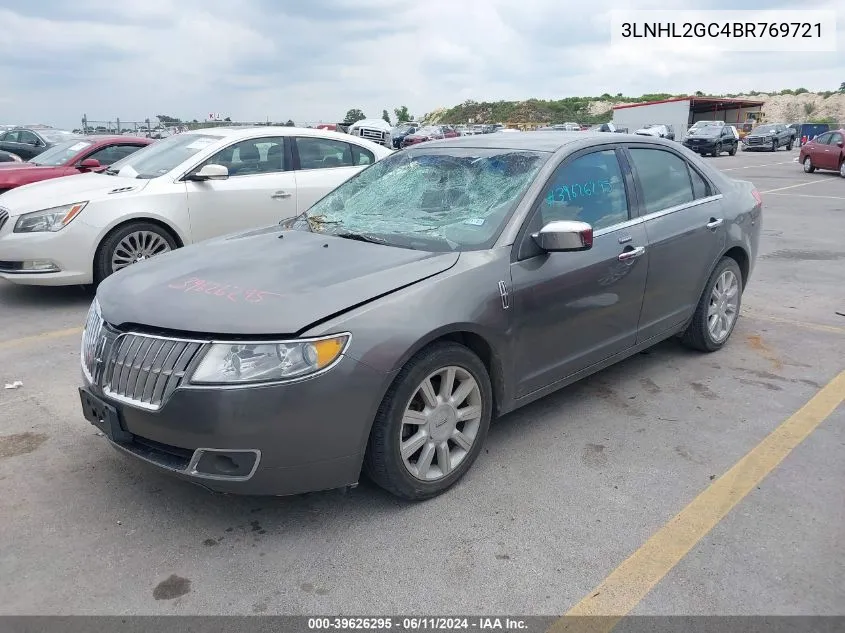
<point x="757" y="197"/>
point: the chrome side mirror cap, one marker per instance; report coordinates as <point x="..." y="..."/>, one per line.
<point x="564" y="236"/>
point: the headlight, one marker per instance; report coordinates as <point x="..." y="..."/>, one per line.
<point x="53" y="219"/>
<point x="238" y="363"/>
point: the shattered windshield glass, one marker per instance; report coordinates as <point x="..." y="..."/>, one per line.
<point x="437" y="199"/>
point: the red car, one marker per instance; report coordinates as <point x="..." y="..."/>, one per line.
<point x="430" y="133"/>
<point x="75" y="156"/>
<point x="826" y="151"/>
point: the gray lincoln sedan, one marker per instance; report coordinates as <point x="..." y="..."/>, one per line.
<point x="383" y="328"/>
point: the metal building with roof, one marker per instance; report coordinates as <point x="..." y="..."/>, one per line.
<point x="682" y="112"/>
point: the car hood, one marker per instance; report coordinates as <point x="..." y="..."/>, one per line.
<point x="67" y="190"/>
<point x="265" y="282"/>
<point x="648" y="132"/>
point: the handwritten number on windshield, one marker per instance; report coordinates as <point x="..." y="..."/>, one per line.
<point x="229" y="291"/>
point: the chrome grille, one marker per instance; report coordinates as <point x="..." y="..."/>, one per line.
<point x="372" y="135"/>
<point x="757" y="140"/>
<point x="4" y="215"/>
<point x="139" y="369"/>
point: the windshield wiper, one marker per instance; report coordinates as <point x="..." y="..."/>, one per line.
<point x="361" y="237"/>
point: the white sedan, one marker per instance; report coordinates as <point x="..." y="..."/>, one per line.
<point x="177" y="191"/>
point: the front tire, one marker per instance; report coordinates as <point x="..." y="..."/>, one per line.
<point x="129" y="244"/>
<point x="718" y="308"/>
<point x="809" y="168"/>
<point x="432" y="423"/>
<point x="774" y="146"/>
<point x="718" y="150"/>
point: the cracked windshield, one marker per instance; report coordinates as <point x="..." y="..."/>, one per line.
<point x="436" y="199"/>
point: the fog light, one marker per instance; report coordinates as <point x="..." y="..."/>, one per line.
<point x="39" y="265"/>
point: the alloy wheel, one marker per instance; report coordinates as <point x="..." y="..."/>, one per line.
<point x="440" y="423"/>
<point x="137" y="247"/>
<point x="722" y="310"/>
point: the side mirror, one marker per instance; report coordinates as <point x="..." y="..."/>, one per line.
<point x="564" y="236"/>
<point x="211" y="172"/>
<point x="89" y="163"/>
<point x="840" y="143"/>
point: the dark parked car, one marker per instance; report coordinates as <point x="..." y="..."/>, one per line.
<point x="399" y="133"/>
<point x="29" y="142"/>
<point x="827" y="151"/>
<point x="428" y="133"/>
<point x="78" y="156"/>
<point x="8" y="157"/>
<point x="713" y="140"/>
<point x="769" y="136"/>
<point x="386" y="326"/>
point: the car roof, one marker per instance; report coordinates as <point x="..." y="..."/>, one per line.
<point x="249" y="131"/>
<point x="119" y="138"/>
<point x="540" y="141"/>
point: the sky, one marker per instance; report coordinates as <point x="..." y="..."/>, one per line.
<point x="312" y="60"/>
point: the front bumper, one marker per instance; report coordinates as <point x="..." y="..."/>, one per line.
<point x="758" y="143"/>
<point x="297" y="437"/>
<point x="68" y="250"/>
<point x="706" y="146"/>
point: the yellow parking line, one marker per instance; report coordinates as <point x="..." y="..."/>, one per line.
<point x="37" y="338"/>
<point x="819" y="327"/>
<point x="629" y="583"/>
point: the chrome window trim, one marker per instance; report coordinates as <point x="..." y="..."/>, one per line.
<point x="656" y="214"/>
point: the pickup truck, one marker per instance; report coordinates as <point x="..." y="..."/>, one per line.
<point x="769" y="136"/>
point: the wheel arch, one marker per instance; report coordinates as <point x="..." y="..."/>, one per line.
<point x="481" y="343"/>
<point x="180" y="241"/>
<point x="741" y="257"/>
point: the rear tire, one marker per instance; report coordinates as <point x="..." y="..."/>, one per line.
<point x="789" y="145"/>
<point x="809" y="168"/>
<point x="130" y="243"/>
<point x="733" y="151"/>
<point x="718" y="308"/>
<point x="405" y="414"/>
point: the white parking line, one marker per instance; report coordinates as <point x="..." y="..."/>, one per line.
<point x="789" y="162"/>
<point x="800" y="184"/>
<point x="805" y="195"/>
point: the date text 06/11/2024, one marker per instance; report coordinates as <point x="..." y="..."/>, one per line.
<point x="416" y="624"/>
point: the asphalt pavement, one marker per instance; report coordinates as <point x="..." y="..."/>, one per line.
<point x="567" y="489"/>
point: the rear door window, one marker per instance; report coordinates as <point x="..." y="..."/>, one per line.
<point x="320" y="153"/>
<point x="664" y="178"/>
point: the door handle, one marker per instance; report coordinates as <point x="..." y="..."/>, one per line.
<point x="281" y="194"/>
<point x="714" y="223"/>
<point x="631" y="254"/>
